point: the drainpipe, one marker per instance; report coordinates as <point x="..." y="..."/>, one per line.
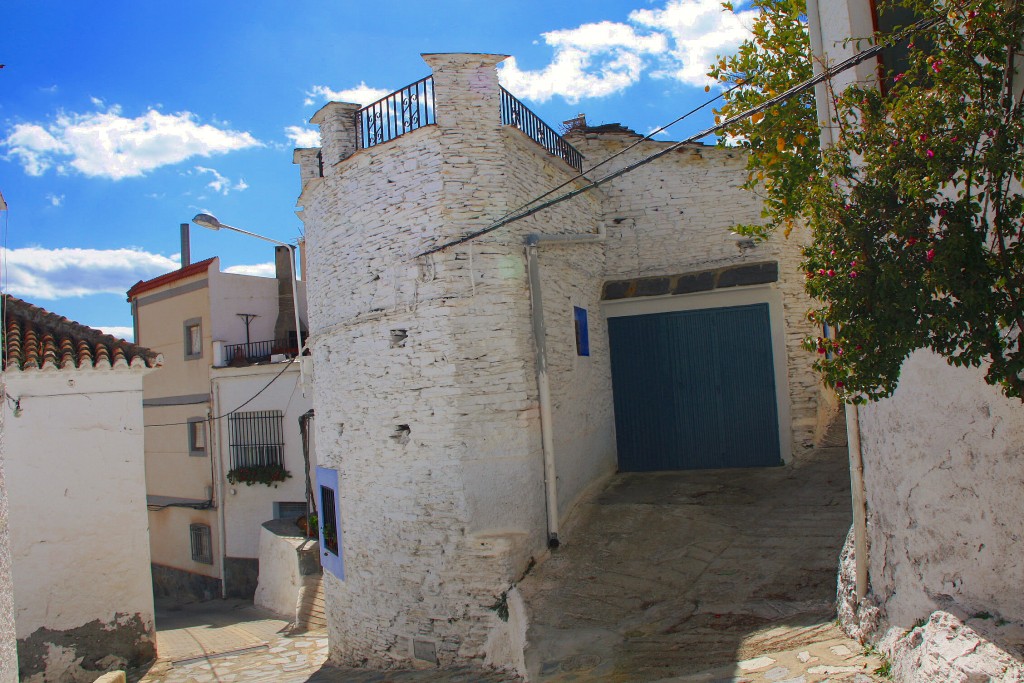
<point x="218" y="484"/>
<point x="860" y="507"/>
<point x="543" y="385"/>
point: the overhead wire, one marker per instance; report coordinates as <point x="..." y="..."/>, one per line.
<point x="235" y="410"/>
<point x="807" y="84"/>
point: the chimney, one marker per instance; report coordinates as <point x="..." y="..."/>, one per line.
<point x="284" y="328"/>
<point x="186" y="255"/>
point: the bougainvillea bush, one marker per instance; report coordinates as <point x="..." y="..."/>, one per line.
<point x="917" y="211"/>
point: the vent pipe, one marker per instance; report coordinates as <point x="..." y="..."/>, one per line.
<point x="186" y="255"/>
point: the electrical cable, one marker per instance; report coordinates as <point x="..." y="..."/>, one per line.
<point x="826" y="74"/>
<point x="235" y="410"/>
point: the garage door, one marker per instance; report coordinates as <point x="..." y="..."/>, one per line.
<point x="694" y="389"/>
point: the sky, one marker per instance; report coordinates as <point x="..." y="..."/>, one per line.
<point x="121" y="120"/>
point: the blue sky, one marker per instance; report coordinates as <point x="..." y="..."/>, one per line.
<point x="121" y="120"/>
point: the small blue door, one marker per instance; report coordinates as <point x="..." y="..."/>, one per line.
<point x="694" y="389"/>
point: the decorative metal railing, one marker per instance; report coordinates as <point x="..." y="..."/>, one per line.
<point x="515" y="113"/>
<point x="257" y="351"/>
<point x="256" y="439"/>
<point x="400" y="112"/>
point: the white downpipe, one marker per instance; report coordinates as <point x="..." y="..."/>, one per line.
<point x="218" y="487"/>
<point x="543" y="384"/>
<point x="860" y="508"/>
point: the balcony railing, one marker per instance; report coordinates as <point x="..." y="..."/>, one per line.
<point x="258" y="351"/>
<point x="400" y="112"/>
<point x="515" y="113"/>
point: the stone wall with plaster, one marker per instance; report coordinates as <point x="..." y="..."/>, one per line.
<point x="425" y="381"/>
<point x="79" y="536"/>
<point x="942" y="471"/>
<point x="676" y="215"/>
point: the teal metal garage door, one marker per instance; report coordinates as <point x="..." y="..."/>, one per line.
<point x="694" y="389"/>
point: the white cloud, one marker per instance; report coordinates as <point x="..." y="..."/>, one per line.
<point x="678" y="41"/>
<point x="697" y="30"/>
<point x="55" y="199"/>
<point x="109" y="145"/>
<point x="592" y="60"/>
<point x="361" y="94"/>
<point x="37" y="273"/>
<point x="118" y="331"/>
<point x="258" y="269"/>
<point x="303" y="137"/>
<point x="220" y="183"/>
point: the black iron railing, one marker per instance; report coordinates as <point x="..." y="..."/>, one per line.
<point x="256" y="438"/>
<point x="258" y="351"/>
<point x="400" y="112"/>
<point x="515" y="113"/>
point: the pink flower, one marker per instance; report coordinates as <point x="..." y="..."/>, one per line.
<point x="831" y="273"/>
<point x="839" y="351"/>
<point x="930" y="255"/>
<point x="897" y="78"/>
<point x="839" y="385"/>
<point x="853" y="273"/>
<point x="929" y="154"/>
<point x="821" y="271"/>
<point x="821" y="349"/>
<point x="942" y="212"/>
<point x="923" y="137"/>
<point x="937" y="65"/>
<point x="832" y="253"/>
<point x="853" y="264"/>
<point x="954" y="138"/>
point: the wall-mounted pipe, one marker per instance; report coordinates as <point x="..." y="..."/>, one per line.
<point x="543" y="385"/>
<point x="859" y="494"/>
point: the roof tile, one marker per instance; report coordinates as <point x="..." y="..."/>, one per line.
<point x="38" y="339"/>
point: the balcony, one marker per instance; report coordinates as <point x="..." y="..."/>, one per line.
<point x="412" y="107"/>
<point x="258" y="351"/>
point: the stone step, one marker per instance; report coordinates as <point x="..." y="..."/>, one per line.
<point x="310" y="613"/>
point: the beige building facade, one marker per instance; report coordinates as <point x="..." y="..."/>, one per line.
<point x="200" y="318"/>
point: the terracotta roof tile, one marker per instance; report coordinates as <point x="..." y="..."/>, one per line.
<point x="167" y="278"/>
<point x="38" y="339"/>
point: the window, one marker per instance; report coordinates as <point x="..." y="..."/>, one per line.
<point x="329" y="522"/>
<point x="256" y="438"/>
<point x="894" y="59"/>
<point x="193" y="338"/>
<point x="287" y="510"/>
<point x="579" y="316"/>
<point x="197" y="436"/>
<point x="202" y="547"/>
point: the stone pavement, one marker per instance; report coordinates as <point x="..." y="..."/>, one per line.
<point x="685" y="577"/>
<point x="726" y="575"/>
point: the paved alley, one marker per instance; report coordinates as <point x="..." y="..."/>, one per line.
<point x="724" y="575"/>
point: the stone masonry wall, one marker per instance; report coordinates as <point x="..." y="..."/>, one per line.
<point x="425" y="389"/>
<point x="675" y="215"/>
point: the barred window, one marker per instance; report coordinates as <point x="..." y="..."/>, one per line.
<point x="256" y="438"/>
<point x="202" y="547"/>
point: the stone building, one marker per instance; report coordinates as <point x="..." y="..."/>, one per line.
<point x="73" y="464"/>
<point x="467" y="399"/>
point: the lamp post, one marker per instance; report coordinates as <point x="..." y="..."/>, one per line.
<point x="210" y="222"/>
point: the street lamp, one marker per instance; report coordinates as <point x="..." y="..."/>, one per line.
<point x="210" y="222"/>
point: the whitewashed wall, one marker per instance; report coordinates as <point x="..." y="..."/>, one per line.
<point x="79" y="539"/>
<point x="247" y="507"/>
<point x="942" y="468"/>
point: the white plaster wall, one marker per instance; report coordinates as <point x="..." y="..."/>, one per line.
<point x="233" y="293"/>
<point x="942" y="470"/>
<point x="247" y="507"/>
<point x="280" y="581"/>
<point x="676" y="215"/>
<point x="8" y="640"/>
<point x="74" y="468"/>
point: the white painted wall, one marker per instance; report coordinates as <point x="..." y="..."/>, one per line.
<point x="942" y="468"/>
<point x="231" y="294"/>
<point x="8" y="640"/>
<point x="245" y="508"/>
<point x="281" y="582"/>
<point x="74" y="466"/>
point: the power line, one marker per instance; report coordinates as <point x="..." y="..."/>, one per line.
<point x="826" y="74"/>
<point x="235" y="410"/>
